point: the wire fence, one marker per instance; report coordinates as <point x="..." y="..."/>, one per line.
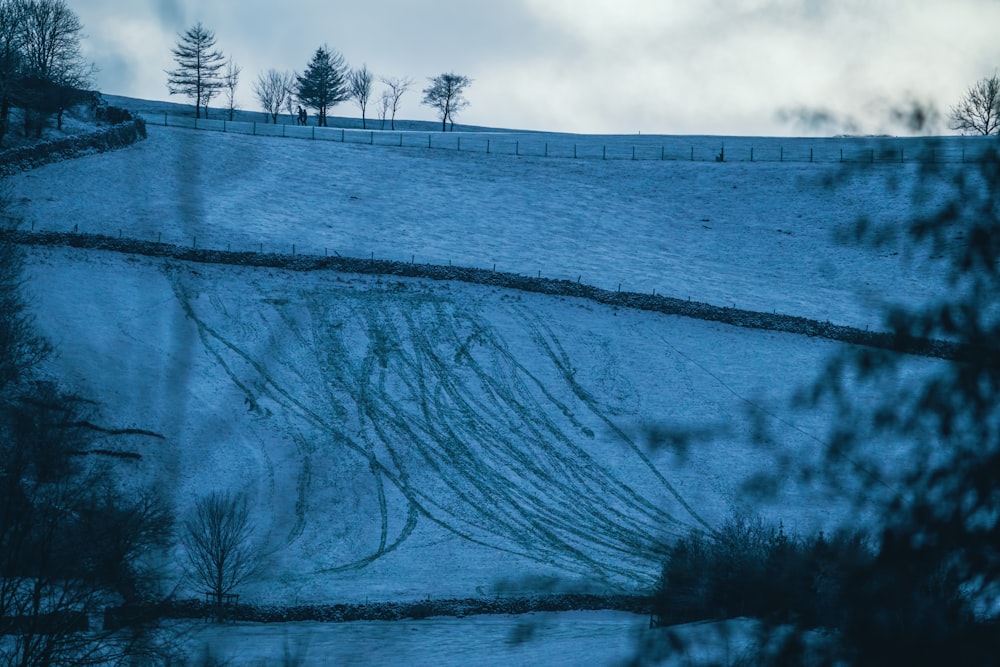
<point x="854" y="150"/>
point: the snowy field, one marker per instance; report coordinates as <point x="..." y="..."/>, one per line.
<point x="403" y="439"/>
<point x="757" y="235"/>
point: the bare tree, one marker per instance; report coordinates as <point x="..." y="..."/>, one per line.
<point x="218" y="543"/>
<point x="53" y="68"/>
<point x="10" y="58"/>
<point x="397" y="86"/>
<point x="446" y="94"/>
<point x="198" y="65"/>
<point x="979" y="109"/>
<point x="384" y="103"/>
<point x="272" y="88"/>
<point x="359" y="86"/>
<point x="230" y="80"/>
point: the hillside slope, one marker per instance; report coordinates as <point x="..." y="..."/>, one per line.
<point x="762" y="236"/>
<point x="401" y="438"/>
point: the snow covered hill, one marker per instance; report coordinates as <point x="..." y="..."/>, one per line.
<point x="403" y="438"/>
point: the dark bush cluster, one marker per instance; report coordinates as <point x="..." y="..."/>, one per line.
<point x="752" y="568"/>
<point x="112" y="115"/>
<point x="870" y="604"/>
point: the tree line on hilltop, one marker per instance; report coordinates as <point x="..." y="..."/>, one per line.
<point x="203" y="73"/>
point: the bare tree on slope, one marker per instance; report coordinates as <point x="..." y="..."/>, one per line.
<point x="446" y="95"/>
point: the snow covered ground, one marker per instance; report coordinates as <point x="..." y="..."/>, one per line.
<point x="757" y="235"/>
<point x="402" y="438"/>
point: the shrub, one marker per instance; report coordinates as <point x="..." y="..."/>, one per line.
<point x="752" y="568"/>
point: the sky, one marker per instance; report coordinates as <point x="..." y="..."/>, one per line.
<point x="736" y="67"/>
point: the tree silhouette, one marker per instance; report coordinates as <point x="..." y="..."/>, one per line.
<point x="446" y="94"/>
<point x="324" y="82"/>
<point x="198" y="67"/>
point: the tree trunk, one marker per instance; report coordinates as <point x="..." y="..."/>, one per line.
<point x="4" y="118"/>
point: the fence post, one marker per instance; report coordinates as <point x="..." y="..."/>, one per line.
<point x="692" y="154"/>
<point x="459" y="145"/>
<point x="841" y="154"/>
<point x="341" y="135"/>
<point x="751" y="153"/>
<point x="428" y="141"/>
<point x="810" y="155"/>
<point x="400" y="139"/>
<point x="901" y="159"/>
<point x="255" y="128"/>
<point x="164" y="119"/>
<point x="661" y="153"/>
<point x="487" y="146"/>
<point x="314" y="133"/>
<point x="282" y="129"/>
<point x="604" y="152"/>
<point x="574" y="151"/>
<point x="371" y="139"/>
<point x="517" y="148"/>
<point x="546" y="149"/>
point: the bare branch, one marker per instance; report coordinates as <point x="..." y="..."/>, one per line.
<point x="979" y="109"/>
<point x="446" y="94"/>
<point x="397" y="86"/>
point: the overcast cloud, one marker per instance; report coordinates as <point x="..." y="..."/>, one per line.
<point x="616" y="66"/>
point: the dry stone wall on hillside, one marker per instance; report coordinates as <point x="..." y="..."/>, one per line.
<point x="564" y="288"/>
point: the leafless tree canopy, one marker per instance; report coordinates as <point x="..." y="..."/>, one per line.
<point x="230" y="81"/>
<point x="384" y="102"/>
<point x="446" y="94"/>
<point x="978" y="111"/>
<point x="397" y="86"/>
<point x="272" y="88"/>
<point x="41" y="66"/>
<point x="51" y="41"/>
<point x="360" y="87"/>
<point x="218" y="543"/>
<point x="10" y="58"/>
<point x="198" y="67"/>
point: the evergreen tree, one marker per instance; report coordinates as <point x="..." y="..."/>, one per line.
<point x="324" y="82"/>
<point x="198" y="74"/>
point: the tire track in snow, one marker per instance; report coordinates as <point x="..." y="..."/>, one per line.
<point x="545" y="338"/>
<point x="438" y="383"/>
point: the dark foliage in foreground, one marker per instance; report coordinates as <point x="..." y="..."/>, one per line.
<point x="929" y="591"/>
<point x="877" y="607"/>
<point x="752" y="568"/>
